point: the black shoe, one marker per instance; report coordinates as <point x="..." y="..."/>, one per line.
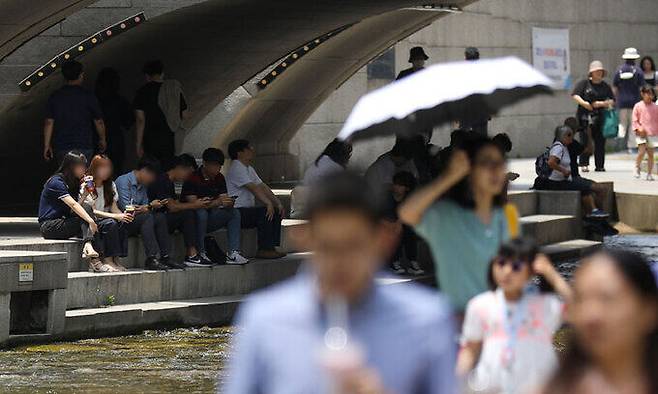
<point x="599" y="169"/>
<point x="164" y="260"/>
<point x="152" y="263"/>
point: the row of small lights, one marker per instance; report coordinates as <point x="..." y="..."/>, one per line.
<point x="438" y="8"/>
<point x="296" y="55"/>
<point x="80" y="48"/>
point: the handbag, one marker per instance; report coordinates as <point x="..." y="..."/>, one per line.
<point x="610" y="123"/>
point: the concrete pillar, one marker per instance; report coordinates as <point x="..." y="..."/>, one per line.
<point x="4" y="316"/>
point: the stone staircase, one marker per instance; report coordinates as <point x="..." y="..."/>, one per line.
<point x="117" y="303"/>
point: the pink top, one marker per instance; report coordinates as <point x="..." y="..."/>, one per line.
<point x="645" y="116"/>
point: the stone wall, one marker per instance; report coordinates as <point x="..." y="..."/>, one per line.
<point x="599" y="29"/>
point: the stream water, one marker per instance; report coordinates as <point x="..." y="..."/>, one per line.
<point x="177" y="361"/>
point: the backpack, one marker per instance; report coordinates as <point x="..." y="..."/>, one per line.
<point x="213" y="251"/>
<point x="541" y="163"/>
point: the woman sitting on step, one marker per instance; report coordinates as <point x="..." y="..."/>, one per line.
<point x="109" y="217"/>
<point x="62" y="211"/>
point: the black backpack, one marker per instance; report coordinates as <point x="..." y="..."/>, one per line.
<point x="213" y="251"/>
<point x="541" y="163"/>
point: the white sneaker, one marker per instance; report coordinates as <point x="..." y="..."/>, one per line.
<point x="235" y="258"/>
<point x="396" y="267"/>
<point x="649" y="177"/>
<point x="415" y="269"/>
<point x="638" y="174"/>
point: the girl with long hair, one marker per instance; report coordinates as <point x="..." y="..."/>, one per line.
<point x="62" y="211"/>
<point x="109" y="216"/>
<point x="614" y="343"/>
<point x="464" y="217"/>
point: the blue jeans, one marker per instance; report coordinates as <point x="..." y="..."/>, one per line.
<point x="209" y="220"/>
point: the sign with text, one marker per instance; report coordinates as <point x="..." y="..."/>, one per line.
<point x="550" y="55"/>
<point x="26" y="272"/>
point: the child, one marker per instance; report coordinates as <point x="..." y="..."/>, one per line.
<point x="403" y="184"/>
<point x="645" y="124"/>
<point x="511" y="327"/>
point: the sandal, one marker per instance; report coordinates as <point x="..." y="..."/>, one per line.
<point x="95" y="265"/>
<point x="88" y="251"/>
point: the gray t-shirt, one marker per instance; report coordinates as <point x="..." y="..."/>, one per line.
<point x="562" y="153"/>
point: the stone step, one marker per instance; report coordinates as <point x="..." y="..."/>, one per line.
<point x="135" y="259"/>
<point x="94" y="290"/>
<point x="132" y="318"/>
<point x="570" y="250"/>
<point x="549" y="229"/>
<point x="525" y="201"/>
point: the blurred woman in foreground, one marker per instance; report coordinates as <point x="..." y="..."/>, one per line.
<point x="614" y="348"/>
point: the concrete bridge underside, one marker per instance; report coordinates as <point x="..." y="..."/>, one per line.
<point x="213" y="48"/>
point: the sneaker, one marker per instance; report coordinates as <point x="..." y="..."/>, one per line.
<point x="649" y="177"/>
<point x="599" y="214"/>
<point x="269" y="255"/>
<point x="196" y="261"/>
<point x="396" y="267"/>
<point x="415" y="269"/>
<point x="584" y="168"/>
<point x="235" y="258"/>
<point x="152" y="263"/>
<point x="164" y="260"/>
<point x="638" y="174"/>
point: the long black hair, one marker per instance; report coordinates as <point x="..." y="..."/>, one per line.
<point x="650" y="59"/>
<point x="65" y="170"/>
<point x="462" y="192"/>
<point x="107" y="83"/>
<point x="636" y="271"/>
<point x="338" y="151"/>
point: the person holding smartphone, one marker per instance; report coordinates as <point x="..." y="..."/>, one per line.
<point x="207" y="188"/>
<point x="180" y="215"/>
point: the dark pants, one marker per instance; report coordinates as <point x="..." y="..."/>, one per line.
<point x="185" y="222"/>
<point x="599" y="148"/>
<point x="154" y="231"/>
<point x="113" y="238"/>
<point x="408" y="244"/>
<point x="269" y="232"/>
<point x="65" y="228"/>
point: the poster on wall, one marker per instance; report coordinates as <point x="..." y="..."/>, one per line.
<point x="550" y="55"/>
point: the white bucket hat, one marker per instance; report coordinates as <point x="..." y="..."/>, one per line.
<point x="597" y="65"/>
<point x="630" y="54"/>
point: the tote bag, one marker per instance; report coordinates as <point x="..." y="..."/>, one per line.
<point x="610" y="123"/>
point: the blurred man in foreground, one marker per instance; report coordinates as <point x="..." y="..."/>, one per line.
<point x="333" y="328"/>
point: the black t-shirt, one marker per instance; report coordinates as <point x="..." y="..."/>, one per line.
<point x="74" y="109"/>
<point x="118" y="116"/>
<point x="591" y="92"/>
<point x="200" y="186"/>
<point x="409" y="71"/>
<point x="163" y="188"/>
<point x="156" y="129"/>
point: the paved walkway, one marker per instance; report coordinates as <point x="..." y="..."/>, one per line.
<point x="619" y="169"/>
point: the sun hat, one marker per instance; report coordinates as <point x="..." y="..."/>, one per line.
<point x="630" y="54"/>
<point x="597" y="65"/>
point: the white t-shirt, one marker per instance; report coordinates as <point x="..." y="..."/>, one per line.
<point x="381" y="172"/>
<point x="561" y="152"/>
<point x="99" y="203"/>
<point x="237" y="178"/>
<point x="324" y="167"/>
<point x="534" y="357"/>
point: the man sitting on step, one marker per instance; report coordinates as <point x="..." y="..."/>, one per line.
<point x="245" y="185"/>
<point x="180" y="215"/>
<point x="207" y="186"/>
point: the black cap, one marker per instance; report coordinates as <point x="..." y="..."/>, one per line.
<point x="417" y="53"/>
<point x="472" y="53"/>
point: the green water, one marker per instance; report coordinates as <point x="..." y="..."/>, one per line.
<point x="178" y="361"/>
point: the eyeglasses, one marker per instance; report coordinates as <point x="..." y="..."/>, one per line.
<point x="516" y="264"/>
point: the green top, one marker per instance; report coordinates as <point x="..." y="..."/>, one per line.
<point x="462" y="247"/>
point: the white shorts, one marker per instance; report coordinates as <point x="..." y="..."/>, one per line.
<point x="650" y="140"/>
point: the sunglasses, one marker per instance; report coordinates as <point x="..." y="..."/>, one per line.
<point x="516" y="264"/>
